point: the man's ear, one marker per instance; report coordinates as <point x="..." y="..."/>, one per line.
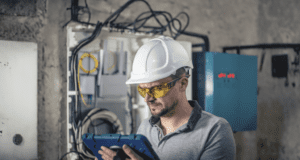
<point x="184" y="83"/>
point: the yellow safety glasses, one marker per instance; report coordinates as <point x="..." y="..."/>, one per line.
<point x="158" y="91"/>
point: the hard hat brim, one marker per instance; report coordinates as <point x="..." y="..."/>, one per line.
<point x="148" y="79"/>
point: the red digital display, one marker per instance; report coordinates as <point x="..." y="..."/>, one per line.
<point x="223" y="75"/>
<point x="231" y="75"/>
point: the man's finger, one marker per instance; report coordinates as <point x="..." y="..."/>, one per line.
<point x="105" y="157"/>
<point x="108" y="151"/>
<point x="130" y="152"/>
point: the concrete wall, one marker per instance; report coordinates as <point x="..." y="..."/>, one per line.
<point x="42" y="23"/>
<point x="278" y="114"/>
<point x="226" y="22"/>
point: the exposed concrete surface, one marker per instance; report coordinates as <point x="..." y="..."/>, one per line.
<point x="18" y="7"/>
<point x="278" y="106"/>
<point x="52" y="77"/>
<point x="226" y="22"/>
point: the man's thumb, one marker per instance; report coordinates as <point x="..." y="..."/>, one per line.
<point x="129" y="152"/>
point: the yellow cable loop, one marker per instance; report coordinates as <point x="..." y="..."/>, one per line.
<point x="91" y="56"/>
<point x="84" y="70"/>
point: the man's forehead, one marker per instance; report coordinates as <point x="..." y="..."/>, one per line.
<point x="155" y="83"/>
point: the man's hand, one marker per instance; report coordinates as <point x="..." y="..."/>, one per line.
<point x="108" y="154"/>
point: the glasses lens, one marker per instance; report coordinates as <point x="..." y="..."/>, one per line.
<point x="160" y="92"/>
<point x="142" y="91"/>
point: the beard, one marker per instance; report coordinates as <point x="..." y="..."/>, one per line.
<point x="168" y="111"/>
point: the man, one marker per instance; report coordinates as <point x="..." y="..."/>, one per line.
<point x="178" y="128"/>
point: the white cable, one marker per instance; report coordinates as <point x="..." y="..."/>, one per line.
<point x="105" y="54"/>
<point x="121" y="59"/>
<point x="108" y="115"/>
<point x="75" y="82"/>
<point x="100" y="67"/>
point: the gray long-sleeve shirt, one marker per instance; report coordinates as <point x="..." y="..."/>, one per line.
<point x="204" y="137"/>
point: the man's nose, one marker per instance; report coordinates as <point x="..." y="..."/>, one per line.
<point x="148" y="98"/>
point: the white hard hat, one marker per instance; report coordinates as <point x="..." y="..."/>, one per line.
<point x="158" y="59"/>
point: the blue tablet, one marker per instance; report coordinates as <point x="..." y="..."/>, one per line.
<point x="137" y="142"/>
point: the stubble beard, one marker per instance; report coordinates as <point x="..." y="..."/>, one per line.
<point x="167" y="112"/>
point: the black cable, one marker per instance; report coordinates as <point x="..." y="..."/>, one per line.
<point x="188" y="19"/>
<point x="125" y="6"/>
<point x="75" y="9"/>
<point x="153" y="13"/>
<point x="187" y="23"/>
<point x="118" y="11"/>
<point x="89" y="39"/>
<point x="130" y="104"/>
<point x="166" y="15"/>
<point x="137" y="20"/>
<point x="111" y="19"/>
<point x="83" y="43"/>
<point x="87" y="7"/>
<point x="169" y="22"/>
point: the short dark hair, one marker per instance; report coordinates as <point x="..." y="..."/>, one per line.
<point x="179" y="72"/>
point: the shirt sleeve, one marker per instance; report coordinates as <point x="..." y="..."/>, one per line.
<point x="220" y="144"/>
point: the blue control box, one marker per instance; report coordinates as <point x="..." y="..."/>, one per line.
<point x="227" y="87"/>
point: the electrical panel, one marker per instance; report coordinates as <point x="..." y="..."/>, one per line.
<point x="227" y="87"/>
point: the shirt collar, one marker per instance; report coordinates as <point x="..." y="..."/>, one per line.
<point x="194" y="117"/>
